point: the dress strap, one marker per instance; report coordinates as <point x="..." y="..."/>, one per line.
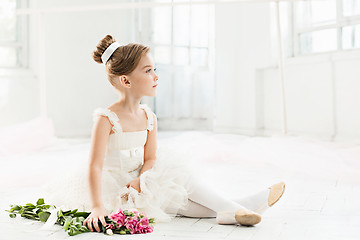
<point x="149" y="115"/>
<point x="112" y="117"/>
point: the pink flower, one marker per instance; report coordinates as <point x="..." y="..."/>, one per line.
<point x="144" y="221"/>
<point x="143" y="226"/>
<point x="145" y="229"/>
<point x="149" y="229"/>
<point x="138" y="223"/>
<point x="130" y="223"/>
<point x="118" y="217"/>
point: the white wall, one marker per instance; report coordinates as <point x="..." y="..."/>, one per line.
<point x="19" y="97"/>
<point x="242" y="45"/>
<point x="322" y="96"/>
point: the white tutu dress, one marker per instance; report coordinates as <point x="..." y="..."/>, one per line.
<point x="164" y="187"/>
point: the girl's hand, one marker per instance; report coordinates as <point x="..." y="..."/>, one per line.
<point x="98" y="213"/>
<point x="135" y="184"/>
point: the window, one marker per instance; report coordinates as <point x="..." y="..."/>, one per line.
<point x="182" y="44"/>
<point x="328" y="25"/>
<point x="12" y="35"/>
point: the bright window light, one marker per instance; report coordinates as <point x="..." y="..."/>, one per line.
<point x="351" y="7"/>
<point x="13" y="33"/>
<point x="7" y="20"/>
<point x="351" y="37"/>
<point x="311" y="13"/>
<point x="181" y="56"/>
<point x="162" y="55"/>
<point x="162" y="21"/>
<point x="318" y="41"/>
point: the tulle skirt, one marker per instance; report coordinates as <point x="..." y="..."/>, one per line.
<point x="164" y="187"/>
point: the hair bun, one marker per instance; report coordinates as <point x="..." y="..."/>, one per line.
<point x="101" y="47"/>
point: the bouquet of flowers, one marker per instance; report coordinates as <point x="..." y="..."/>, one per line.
<point x="120" y="222"/>
<point x="129" y="221"/>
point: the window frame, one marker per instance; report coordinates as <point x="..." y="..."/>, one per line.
<point x="21" y="42"/>
<point x="340" y="22"/>
<point x="171" y="65"/>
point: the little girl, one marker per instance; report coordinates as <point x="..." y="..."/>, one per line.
<point x="126" y="169"/>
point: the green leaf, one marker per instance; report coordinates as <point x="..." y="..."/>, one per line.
<point x="30" y="205"/>
<point x="85" y="229"/>
<point x="66" y="225"/>
<point x="73" y="211"/>
<point x="40" y="201"/>
<point x="30" y="213"/>
<point x="28" y="216"/>
<point x="76" y="220"/>
<point x="74" y="232"/>
<point x="81" y="214"/>
<point x="60" y="213"/>
<point x="12" y="215"/>
<point x="66" y="213"/>
<point x="21" y="212"/>
<point x="15" y="208"/>
<point x="44" y="216"/>
<point x="61" y="221"/>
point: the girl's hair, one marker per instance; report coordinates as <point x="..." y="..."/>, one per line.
<point x="123" y="61"/>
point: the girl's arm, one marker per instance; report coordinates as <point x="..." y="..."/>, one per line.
<point x="100" y="133"/>
<point x="150" y="148"/>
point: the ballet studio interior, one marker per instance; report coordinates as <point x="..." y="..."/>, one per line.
<point x="253" y="92"/>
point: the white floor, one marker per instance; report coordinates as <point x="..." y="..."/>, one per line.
<point x="321" y="200"/>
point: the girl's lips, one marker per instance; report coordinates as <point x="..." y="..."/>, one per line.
<point x="155" y="85"/>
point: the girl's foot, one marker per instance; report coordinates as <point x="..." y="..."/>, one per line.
<point x="247" y="217"/>
<point x="243" y="216"/>
<point x="276" y="191"/>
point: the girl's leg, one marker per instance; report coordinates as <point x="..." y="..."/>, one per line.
<point x="195" y="210"/>
<point x="260" y="201"/>
<point x="257" y="202"/>
<point x="225" y="208"/>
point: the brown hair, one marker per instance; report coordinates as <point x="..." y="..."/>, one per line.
<point x="124" y="59"/>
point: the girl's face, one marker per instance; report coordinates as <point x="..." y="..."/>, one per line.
<point x="143" y="80"/>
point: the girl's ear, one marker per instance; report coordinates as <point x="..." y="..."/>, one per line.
<point x="124" y="81"/>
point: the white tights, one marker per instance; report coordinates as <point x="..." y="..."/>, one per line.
<point x="206" y="202"/>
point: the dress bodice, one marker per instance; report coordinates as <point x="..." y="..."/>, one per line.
<point x="125" y="150"/>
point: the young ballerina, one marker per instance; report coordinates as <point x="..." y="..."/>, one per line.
<point x="126" y="167"/>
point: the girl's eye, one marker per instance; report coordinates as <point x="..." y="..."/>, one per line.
<point x="147" y="71"/>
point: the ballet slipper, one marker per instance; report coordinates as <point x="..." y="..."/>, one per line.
<point x="247" y="217"/>
<point x="276" y="191"/>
